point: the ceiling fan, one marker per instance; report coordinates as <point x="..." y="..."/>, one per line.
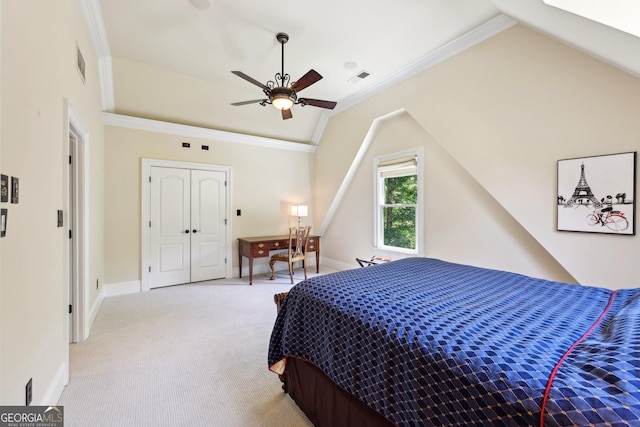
<point x="280" y="94"/>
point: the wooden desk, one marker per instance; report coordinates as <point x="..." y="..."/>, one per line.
<point x="259" y="247"/>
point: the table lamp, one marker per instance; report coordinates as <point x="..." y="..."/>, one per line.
<point x="299" y="211"/>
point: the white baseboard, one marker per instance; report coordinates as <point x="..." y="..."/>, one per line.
<point x="54" y="391"/>
<point x="338" y="265"/>
<point x="122" y="288"/>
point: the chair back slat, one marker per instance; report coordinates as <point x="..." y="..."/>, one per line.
<point x="298" y="237"/>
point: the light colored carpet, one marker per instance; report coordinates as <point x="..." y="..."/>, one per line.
<point x="189" y="355"/>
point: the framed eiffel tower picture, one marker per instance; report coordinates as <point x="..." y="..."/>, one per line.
<point x="598" y="194"/>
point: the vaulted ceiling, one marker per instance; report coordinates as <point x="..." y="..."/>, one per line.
<point x="388" y="40"/>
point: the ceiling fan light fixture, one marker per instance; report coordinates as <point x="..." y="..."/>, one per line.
<point x="280" y="93"/>
<point x="282" y="98"/>
<point x="282" y="102"/>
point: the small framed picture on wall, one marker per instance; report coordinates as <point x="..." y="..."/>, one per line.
<point x="597" y="194"/>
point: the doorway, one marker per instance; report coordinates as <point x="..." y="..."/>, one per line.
<point x="185" y="227"/>
<point x="74" y="224"/>
<point x="73" y="247"/>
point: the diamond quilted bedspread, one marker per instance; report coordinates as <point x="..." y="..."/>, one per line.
<point x="427" y="342"/>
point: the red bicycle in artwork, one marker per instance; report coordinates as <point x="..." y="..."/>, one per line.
<point x="613" y="220"/>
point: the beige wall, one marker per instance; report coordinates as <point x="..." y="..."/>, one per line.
<point x="38" y="74"/>
<point x="265" y="183"/>
<point x="463" y="223"/>
<point x="500" y="115"/>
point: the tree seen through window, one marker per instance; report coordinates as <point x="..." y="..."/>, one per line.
<point x="399" y="211"/>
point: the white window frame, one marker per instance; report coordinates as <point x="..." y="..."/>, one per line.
<point x="378" y="200"/>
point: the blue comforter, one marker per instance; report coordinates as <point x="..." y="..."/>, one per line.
<point x="427" y="342"/>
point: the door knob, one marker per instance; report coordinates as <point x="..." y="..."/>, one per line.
<point x="186" y="231"/>
<point x="195" y="231"/>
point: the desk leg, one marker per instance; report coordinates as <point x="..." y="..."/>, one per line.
<point x="250" y="271"/>
<point x="317" y="261"/>
<point x="240" y="263"/>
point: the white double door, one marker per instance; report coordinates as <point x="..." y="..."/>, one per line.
<point x="188" y="226"/>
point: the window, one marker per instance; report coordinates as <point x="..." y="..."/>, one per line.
<point x="398" y="202"/>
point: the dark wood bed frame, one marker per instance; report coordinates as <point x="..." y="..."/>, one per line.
<point x="322" y="400"/>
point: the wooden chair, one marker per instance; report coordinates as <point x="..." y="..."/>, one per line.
<point x="298" y="237"/>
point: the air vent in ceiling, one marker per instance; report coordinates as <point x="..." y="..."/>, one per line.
<point x="359" y="77"/>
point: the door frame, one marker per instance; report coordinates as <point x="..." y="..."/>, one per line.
<point x="145" y="203"/>
<point x="80" y="207"/>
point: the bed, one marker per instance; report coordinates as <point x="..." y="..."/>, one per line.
<point x="420" y="341"/>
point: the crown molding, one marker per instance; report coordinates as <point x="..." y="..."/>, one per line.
<point x="130" y="122"/>
<point x="95" y="24"/>
<point x="319" y="130"/>
<point x="106" y="84"/>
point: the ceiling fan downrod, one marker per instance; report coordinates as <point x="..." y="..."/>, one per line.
<point x="282" y="77"/>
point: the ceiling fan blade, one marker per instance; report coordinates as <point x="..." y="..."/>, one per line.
<point x="307" y="80"/>
<point x="318" y="103"/>
<point x="250" y="79"/>
<point x="254" y="101"/>
<point x="286" y="114"/>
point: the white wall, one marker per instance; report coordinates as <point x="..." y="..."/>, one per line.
<point x="504" y="112"/>
<point x="38" y="59"/>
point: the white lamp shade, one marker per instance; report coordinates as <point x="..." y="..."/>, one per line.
<point x="281" y="102"/>
<point x="299" y="210"/>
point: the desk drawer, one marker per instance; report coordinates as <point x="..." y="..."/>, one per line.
<point x="313" y="244"/>
<point x="280" y="244"/>
<point x="260" y="249"/>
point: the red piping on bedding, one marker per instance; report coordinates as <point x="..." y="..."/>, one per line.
<point x="567" y="353"/>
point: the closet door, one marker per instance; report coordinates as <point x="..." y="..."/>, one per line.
<point x="208" y="207"/>
<point x="170" y="246"/>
